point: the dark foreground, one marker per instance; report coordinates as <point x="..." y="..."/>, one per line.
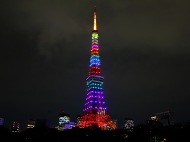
<point x="141" y="133"/>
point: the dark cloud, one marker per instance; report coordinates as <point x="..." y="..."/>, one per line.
<point x="160" y="25"/>
<point x="45" y="49"/>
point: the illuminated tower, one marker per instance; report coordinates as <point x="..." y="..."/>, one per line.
<point x="95" y="111"/>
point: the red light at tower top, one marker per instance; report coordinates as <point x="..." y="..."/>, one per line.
<point x="95" y="111"/>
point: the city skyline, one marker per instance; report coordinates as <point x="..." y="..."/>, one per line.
<point x="45" y="58"/>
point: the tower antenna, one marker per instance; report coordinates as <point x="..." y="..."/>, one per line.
<point x="95" y="24"/>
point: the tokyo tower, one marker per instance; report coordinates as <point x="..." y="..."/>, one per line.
<point x="95" y="111"/>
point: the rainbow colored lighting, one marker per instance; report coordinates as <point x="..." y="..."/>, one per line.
<point x="95" y="110"/>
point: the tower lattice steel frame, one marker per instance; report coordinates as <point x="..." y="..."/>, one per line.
<point x="95" y="112"/>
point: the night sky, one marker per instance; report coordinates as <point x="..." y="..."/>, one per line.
<point x="45" y="52"/>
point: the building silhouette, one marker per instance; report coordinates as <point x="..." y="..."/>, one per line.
<point x="166" y="117"/>
<point x="31" y="123"/>
<point x="42" y="123"/>
<point x="128" y="124"/>
<point x="15" y="127"/>
<point x="95" y="113"/>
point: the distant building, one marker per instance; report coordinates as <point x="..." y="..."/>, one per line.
<point x="42" y="123"/>
<point x="115" y="122"/>
<point x="64" y="118"/>
<point x="166" y="118"/>
<point x="1" y="121"/>
<point x="69" y="125"/>
<point x="31" y="123"/>
<point x="128" y="124"/>
<point x="15" y="127"/>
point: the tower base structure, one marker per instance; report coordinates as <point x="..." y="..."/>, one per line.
<point x="102" y="121"/>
